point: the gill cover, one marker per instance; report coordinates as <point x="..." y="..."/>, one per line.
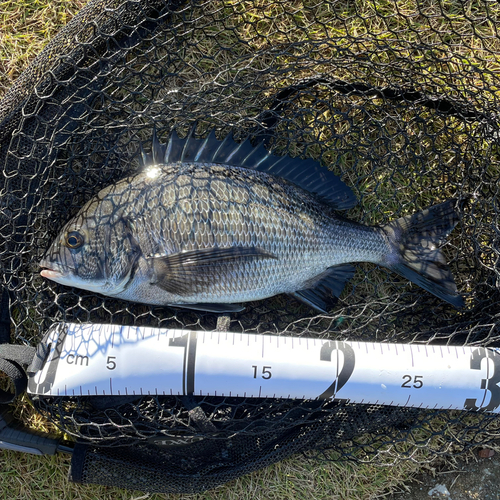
<point x="104" y="263"/>
<point x="119" y="255"/>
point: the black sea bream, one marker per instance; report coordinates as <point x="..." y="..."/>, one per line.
<point x="209" y="224"/>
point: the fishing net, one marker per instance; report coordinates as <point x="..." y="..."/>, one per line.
<point x="401" y="103"/>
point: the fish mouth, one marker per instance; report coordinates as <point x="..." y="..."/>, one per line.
<point x="51" y="274"/>
<point x="50" y="270"/>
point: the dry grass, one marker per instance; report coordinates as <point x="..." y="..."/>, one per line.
<point x="45" y="478"/>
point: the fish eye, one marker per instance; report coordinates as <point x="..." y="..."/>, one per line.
<point x="74" y="239"/>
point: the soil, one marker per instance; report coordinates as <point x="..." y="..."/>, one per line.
<point x="475" y="479"/>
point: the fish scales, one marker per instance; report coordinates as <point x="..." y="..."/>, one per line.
<point x="265" y="217"/>
<point x="209" y="234"/>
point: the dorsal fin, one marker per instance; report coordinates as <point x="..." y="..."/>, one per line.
<point x="173" y="149"/>
<point x="144" y="158"/>
<point x="156" y="149"/>
<point x="308" y="173"/>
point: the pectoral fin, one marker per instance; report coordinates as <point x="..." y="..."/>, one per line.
<point x="193" y="271"/>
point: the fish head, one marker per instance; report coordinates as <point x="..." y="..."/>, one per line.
<point x="95" y="251"/>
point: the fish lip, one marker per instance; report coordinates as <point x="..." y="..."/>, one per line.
<point x="51" y="270"/>
<point x="51" y="274"/>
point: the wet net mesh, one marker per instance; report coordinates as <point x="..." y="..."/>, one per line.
<point x="402" y="103"/>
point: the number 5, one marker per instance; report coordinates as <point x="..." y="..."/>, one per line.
<point x="110" y="364"/>
<point x="418" y="382"/>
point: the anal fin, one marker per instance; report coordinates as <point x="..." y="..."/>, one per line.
<point x="321" y="289"/>
<point x="215" y="308"/>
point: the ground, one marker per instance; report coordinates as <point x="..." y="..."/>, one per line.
<point x="477" y="479"/>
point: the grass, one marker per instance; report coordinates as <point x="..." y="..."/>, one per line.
<point x="26" y="476"/>
<point x="27" y="25"/>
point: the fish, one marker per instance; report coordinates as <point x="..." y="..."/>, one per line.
<point x="210" y="224"/>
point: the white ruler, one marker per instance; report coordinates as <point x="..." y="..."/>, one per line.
<point x="94" y="359"/>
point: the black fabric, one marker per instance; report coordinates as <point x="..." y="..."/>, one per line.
<point x="12" y="360"/>
<point x="200" y="462"/>
<point x="78" y="462"/>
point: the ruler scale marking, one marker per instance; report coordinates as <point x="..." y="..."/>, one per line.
<point x="113" y="360"/>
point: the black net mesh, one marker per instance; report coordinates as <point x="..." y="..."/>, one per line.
<point x="402" y="104"/>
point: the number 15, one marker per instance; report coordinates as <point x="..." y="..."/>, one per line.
<point x="266" y="373"/>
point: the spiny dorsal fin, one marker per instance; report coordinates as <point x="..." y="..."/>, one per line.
<point x="157" y="149"/>
<point x="307" y="174"/>
<point x="144" y="159"/>
<point x="173" y="149"/>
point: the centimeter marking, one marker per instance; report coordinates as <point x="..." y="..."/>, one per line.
<point x="93" y="359"/>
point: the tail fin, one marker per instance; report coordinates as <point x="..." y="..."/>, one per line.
<point x="416" y="256"/>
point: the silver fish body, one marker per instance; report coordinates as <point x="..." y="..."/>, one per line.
<point x="209" y="235"/>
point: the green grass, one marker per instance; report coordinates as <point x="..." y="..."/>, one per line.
<point x="27" y="25"/>
<point x="25" y="28"/>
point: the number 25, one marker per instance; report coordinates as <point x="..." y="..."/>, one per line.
<point x="417" y="381"/>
